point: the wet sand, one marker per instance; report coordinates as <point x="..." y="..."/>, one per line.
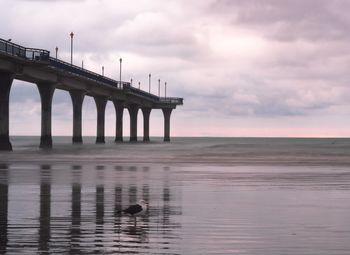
<point x="66" y="200"/>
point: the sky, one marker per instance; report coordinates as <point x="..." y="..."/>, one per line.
<point x="244" y="67"/>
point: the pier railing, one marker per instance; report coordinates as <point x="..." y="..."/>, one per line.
<point x="84" y="73"/>
<point x="164" y="100"/>
<point x="171" y="100"/>
<point x="26" y="53"/>
<point x="131" y="90"/>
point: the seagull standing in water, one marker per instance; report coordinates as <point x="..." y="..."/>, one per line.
<point x="136" y="210"/>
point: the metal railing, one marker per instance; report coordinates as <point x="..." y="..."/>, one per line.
<point x="22" y="52"/>
<point x="131" y="90"/>
<point x="84" y="72"/>
<point x="171" y="100"/>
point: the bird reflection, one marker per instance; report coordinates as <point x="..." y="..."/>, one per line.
<point x="138" y="232"/>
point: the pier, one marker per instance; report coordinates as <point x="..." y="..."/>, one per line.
<point x="49" y="73"/>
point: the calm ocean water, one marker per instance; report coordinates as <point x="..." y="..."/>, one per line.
<point x="206" y="196"/>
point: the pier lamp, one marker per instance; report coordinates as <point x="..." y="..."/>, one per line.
<point x="82" y="64"/>
<point x="71" y="48"/>
<point x="56" y="49"/>
<point x="149" y="83"/>
<point x="120" y="72"/>
<point x="103" y="71"/>
<point x="165" y="90"/>
<point x="131" y="82"/>
<point x="158" y="87"/>
<point x="139" y="85"/>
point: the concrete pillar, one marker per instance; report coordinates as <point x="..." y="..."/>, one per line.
<point x="5" y="87"/>
<point x="101" y="107"/>
<point x="119" y="111"/>
<point x="46" y="91"/>
<point x="167" y="113"/>
<point x="133" y="110"/>
<point x="146" y="113"/>
<point x="77" y="97"/>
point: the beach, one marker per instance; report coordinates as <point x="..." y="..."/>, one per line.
<point x="205" y="195"/>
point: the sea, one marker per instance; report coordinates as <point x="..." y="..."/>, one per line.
<point x="206" y="196"/>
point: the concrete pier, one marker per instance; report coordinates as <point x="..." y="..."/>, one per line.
<point x="119" y="111"/>
<point x="146" y="113"/>
<point x="6" y="79"/>
<point x="167" y="113"/>
<point x="77" y="97"/>
<point x="133" y="110"/>
<point x="101" y="107"/>
<point x="37" y="66"/>
<point x="46" y="91"/>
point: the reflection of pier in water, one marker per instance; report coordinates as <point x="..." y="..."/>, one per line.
<point x="3" y="208"/>
<point x="90" y="221"/>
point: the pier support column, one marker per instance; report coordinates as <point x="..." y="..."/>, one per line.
<point x="77" y="97"/>
<point x="46" y="91"/>
<point x="146" y="113"/>
<point x="5" y="87"/>
<point x="119" y="111"/>
<point x="167" y="113"/>
<point x="133" y="110"/>
<point x="101" y="107"/>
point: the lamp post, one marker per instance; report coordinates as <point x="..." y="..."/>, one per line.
<point x="165" y="90"/>
<point x="103" y="71"/>
<point x="139" y="85"/>
<point x="71" y="48"/>
<point x="131" y="82"/>
<point x="56" y="51"/>
<point x="149" y="83"/>
<point x="82" y="64"/>
<point x="120" y="72"/>
<point x="158" y="87"/>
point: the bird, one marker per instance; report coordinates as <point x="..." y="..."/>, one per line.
<point x="135" y="210"/>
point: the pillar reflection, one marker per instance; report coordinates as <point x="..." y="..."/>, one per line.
<point x="166" y="205"/>
<point x="99" y="215"/>
<point x="118" y="206"/>
<point x="118" y="200"/>
<point x="75" y="231"/>
<point x="132" y="194"/>
<point x="3" y="207"/>
<point x="45" y="208"/>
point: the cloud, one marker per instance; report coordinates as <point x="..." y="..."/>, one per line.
<point x="228" y="58"/>
<point x="290" y="20"/>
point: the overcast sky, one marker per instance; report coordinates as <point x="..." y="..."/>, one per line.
<point x="243" y="67"/>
